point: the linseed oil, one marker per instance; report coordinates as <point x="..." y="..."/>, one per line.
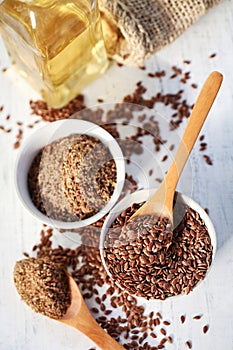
<point x="56" y="45"/>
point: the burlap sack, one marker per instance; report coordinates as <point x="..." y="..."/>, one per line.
<point x="134" y="29"/>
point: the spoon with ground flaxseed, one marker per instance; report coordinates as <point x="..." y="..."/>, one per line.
<point x="48" y="289"/>
<point x="160" y="206"/>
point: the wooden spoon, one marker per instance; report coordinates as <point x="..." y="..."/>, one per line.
<point x="79" y="317"/>
<point x="161" y="202"/>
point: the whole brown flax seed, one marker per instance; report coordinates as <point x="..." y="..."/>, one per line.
<point x="205" y="328"/>
<point x="182" y="318"/>
<point x="197" y="317"/>
<point x="188" y="344"/>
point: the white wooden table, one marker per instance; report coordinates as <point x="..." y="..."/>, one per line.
<point x="212" y="187"/>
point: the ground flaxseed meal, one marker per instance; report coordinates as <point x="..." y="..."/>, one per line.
<point x="72" y="178"/>
<point x="44" y="180"/>
<point x="43" y="285"/>
<point x="88" y="176"/>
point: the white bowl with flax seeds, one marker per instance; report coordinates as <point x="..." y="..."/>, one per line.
<point x="133" y="264"/>
<point x="70" y="173"/>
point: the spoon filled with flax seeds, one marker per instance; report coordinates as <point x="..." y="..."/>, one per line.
<point x="48" y="289"/>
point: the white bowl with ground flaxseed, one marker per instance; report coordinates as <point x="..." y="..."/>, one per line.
<point x="70" y="173"/>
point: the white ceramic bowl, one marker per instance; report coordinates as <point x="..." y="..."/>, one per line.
<point x="141" y="196"/>
<point x="50" y="133"/>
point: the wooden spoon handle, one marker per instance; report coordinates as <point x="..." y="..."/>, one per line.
<point x="85" y="323"/>
<point x="162" y="200"/>
<point x="199" y="113"/>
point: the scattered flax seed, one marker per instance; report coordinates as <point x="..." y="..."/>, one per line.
<point x="160" y="74"/>
<point x="176" y="70"/>
<point x="150" y="75"/>
<point x="16" y="145"/>
<point x="166" y="323"/>
<point x="100" y="100"/>
<point x="104" y="297"/>
<point x="4" y="70"/>
<point x="194" y="86"/>
<point x="163" y="341"/>
<point x="153" y="335"/>
<point x="95" y="291"/>
<point x="158" y="314"/>
<point x="108" y="312"/>
<point x="163" y="331"/>
<point x="197" y="317"/>
<point x="182" y="318"/>
<point x="207" y="159"/>
<point x="187" y="61"/>
<point x="102" y="307"/>
<point x="188" y="344"/>
<point x="201" y="138"/>
<point x="205" y="328"/>
<point x="171" y="148"/>
<point x="164" y="158"/>
<point x="98" y="300"/>
<point x="173" y="76"/>
<point x="213" y="55"/>
<point x="150" y="172"/>
<point x="203" y="146"/>
<point x="170" y="339"/>
<point x="207" y="211"/>
<point x="95" y="310"/>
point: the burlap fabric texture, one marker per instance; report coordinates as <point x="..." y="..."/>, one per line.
<point x="134" y="29"/>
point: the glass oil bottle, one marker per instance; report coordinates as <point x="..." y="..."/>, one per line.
<point x="57" y="45"/>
